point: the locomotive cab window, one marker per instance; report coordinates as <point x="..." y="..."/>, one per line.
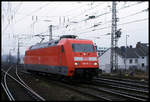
<point x="82" y="48"/>
<point x="62" y="48"/>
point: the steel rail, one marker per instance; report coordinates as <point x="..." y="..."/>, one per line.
<point x="129" y="80"/>
<point x="64" y="84"/>
<point x="123" y="94"/>
<point x="28" y="86"/>
<point x="122" y="82"/>
<point x="9" y="93"/>
<point x="6" y="92"/>
<point x="120" y="86"/>
<point x="74" y="88"/>
<point x="120" y="94"/>
<point x="21" y="79"/>
<point x="41" y="98"/>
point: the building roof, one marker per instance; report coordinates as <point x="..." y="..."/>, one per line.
<point x="127" y="52"/>
<point x="140" y="50"/>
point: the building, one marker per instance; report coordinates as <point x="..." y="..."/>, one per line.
<point x="101" y="50"/>
<point x="128" y="58"/>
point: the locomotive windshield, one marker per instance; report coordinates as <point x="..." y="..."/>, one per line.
<point x="82" y="48"/>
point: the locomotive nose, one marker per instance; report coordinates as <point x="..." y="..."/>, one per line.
<point x="85" y="60"/>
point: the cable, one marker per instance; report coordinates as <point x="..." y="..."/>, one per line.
<point x="135" y="13"/>
<point x="110" y="12"/>
<point x="36" y="15"/>
<point x="107" y="12"/>
<point x="81" y="20"/>
<point x="28" y="15"/>
<point x="118" y="25"/>
<point x="9" y="23"/>
<point x="121" y="9"/>
<point x="139" y="20"/>
<point x="98" y="15"/>
<point x="6" y="27"/>
<point x="87" y="9"/>
<point x="130" y="5"/>
<point x="41" y="7"/>
<point x="118" y="9"/>
<point x="75" y="9"/>
<point x="17" y="8"/>
<point x="123" y="17"/>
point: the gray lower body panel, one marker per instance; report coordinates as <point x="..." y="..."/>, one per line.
<point x="61" y="70"/>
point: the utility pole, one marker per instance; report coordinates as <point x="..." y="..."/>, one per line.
<point x="18" y="53"/>
<point x="10" y="56"/>
<point x="126" y="53"/>
<point x="50" y="32"/>
<point x="115" y="35"/>
<point x="113" y="55"/>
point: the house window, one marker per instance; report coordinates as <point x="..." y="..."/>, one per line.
<point x="142" y="64"/>
<point x="143" y="57"/>
<point x="136" y="60"/>
<point x="130" y="61"/>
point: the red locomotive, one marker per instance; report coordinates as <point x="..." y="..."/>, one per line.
<point x="67" y="56"/>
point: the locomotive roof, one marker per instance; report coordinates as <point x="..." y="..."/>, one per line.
<point x="45" y="44"/>
<point x="51" y="43"/>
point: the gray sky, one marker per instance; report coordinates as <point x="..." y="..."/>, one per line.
<point x="25" y="19"/>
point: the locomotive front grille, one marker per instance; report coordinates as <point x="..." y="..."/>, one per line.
<point x="86" y="72"/>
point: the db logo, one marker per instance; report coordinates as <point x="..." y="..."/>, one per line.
<point x="85" y="63"/>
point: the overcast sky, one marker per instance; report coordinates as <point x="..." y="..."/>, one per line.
<point x="25" y="19"/>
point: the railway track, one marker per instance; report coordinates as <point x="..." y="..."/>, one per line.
<point x="28" y="93"/>
<point x="112" y="93"/>
<point x="5" y="87"/>
<point x="123" y="85"/>
<point x="75" y="87"/>
<point x="99" y="91"/>
<point x="126" y="80"/>
<point x="117" y="91"/>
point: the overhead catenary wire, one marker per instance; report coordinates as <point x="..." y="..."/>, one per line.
<point x="133" y="14"/>
<point x="139" y="20"/>
<point x="105" y="13"/>
<point x="87" y="10"/>
<point x="27" y="15"/>
<point x="120" y="18"/>
<point x="75" y="9"/>
<point x="73" y="24"/>
<point x="17" y="8"/>
<point x="126" y="7"/>
<point x="37" y="10"/>
<point x="84" y="20"/>
<point x="121" y="9"/>
<point x="12" y="17"/>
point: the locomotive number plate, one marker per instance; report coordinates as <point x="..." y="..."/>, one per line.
<point x="85" y="58"/>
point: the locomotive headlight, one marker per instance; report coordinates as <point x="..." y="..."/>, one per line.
<point x="95" y="63"/>
<point x="76" y="63"/>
